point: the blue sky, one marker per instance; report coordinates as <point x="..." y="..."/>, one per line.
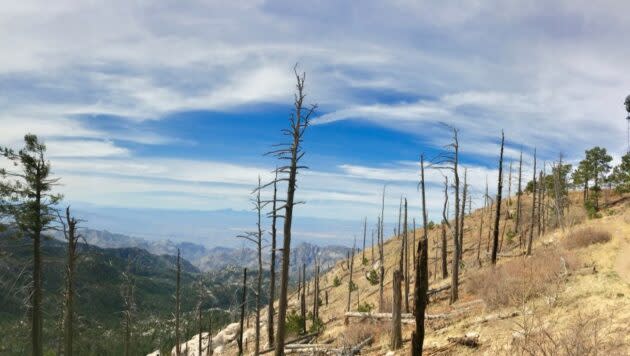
<point x="157" y="109"/>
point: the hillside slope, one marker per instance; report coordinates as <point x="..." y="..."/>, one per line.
<point x="563" y="299"/>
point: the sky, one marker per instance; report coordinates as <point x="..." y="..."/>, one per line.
<point x="157" y="114"/>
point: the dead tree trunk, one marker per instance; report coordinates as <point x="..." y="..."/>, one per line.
<point x="363" y="260"/>
<point x="303" y="299"/>
<point x="445" y="223"/>
<point x="381" y="254"/>
<point x="413" y="244"/>
<point x="406" y="262"/>
<point x="450" y="161"/>
<point x="272" y="268"/>
<point x="519" y="192"/>
<point x="299" y="122"/>
<point x="531" y="227"/>
<point x="350" y="283"/>
<point x="70" y="234"/>
<point x="396" y="340"/>
<point x="422" y="276"/>
<point x="177" y="306"/>
<point x="455" y="267"/>
<point x="241" y="324"/>
<point x="200" y="330"/>
<point x="495" y="241"/>
<point x="541" y="197"/>
<point x="462" y="215"/>
<point x="372" y="248"/>
<point x="210" y="348"/>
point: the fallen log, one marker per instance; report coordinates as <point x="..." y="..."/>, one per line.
<point x="470" y="339"/>
<point x="357" y="348"/>
<point x="292" y="341"/>
<point x="430" y="292"/>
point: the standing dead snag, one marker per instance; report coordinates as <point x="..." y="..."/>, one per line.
<point x="178" y="350"/>
<point x="531" y="227"/>
<point x="462" y="215"/>
<point x="422" y="276"/>
<point x="256" y="237"/>
<point x="519" y="192"/>
<point x="445" y="223"/>
<point x="450" y="161"/>
<point x="350" y="283"/>
<point x="69" y="227"/>
<point x="272" y="265"/>
<point x="241" y="324"/>
<point x="396" y="340"/>
<point x="495" y="241"/>
<point x="200" y="298"/>
<point x="363" y="260"/>
<point x="303" y="299"/>
<point x="413" y="244"/>
<point x="406" y="260"/>
<point x="381" y="254"/>
<point x="299" y="121"/>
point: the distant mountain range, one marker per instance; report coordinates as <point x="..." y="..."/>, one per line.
<point x="216" y="258"/>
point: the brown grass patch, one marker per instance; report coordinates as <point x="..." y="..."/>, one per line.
<point x="523" y="278"/>
<point x="584" y="334"/>
<point x="354" y="334"/>
<point x="585" y="237"/>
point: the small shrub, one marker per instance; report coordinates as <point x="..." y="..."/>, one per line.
<point x="586" y="334"/>
<point x="431" y="225"/>
<point x="585" y="237"/>
<point x="317" y="325"/>
<point x="365" y="261"/>
<point x="353" y="286"/>
<point x="294" y="322"/>
<point x="336" y="281"/>
<point x="509" y="237"/>
<point x="591" y="209"/>
<point x="365" y="307"/>
<point x="372" y="277"/>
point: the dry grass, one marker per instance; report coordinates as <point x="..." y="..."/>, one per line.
<point x="585" y="237"/>
<point x="521" y="279"/>
<point x="584" y="334"/>
<point x="354" y="335"/>
<point x="576" y="215"/>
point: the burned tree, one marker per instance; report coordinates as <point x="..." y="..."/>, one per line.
<point x="381" y="254"/>
<point x="445" y="223"/>
<point x="462" y="215"/>
<point x="293" y="152"/>
<point x="69" y="229"/>
<point x="272" y="266"/>
<point x="31" y="204"/>
<point x="239" y="340"/>
<point x="405" y="270"/>
<point x="531" y="227"/>
<point x="256" y="237"/>
<point x="396" y="339"/>
<point x="422" y="276"/>
<point x="519" y="192"/>
<point x="177" y="304"/>
<point x="350" y="282"/>
<point x="363" y="260"/>
<point x="495" y="240"/>
<point x="449" y="160"/>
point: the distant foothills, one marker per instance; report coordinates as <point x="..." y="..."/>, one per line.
<point x="215" y="258"/>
